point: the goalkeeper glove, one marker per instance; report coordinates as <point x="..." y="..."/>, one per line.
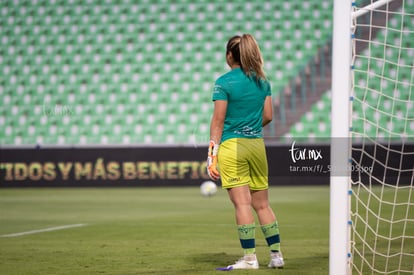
<point x="212" y="171"/>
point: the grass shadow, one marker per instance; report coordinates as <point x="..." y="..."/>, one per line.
<point x="214" y="259"/>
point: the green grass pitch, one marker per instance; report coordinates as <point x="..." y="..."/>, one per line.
<point x="153" y="231"/>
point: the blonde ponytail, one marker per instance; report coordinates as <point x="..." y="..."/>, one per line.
<point x="251" y="57"/>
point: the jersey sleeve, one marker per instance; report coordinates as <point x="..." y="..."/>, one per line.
<point x="268" y="88"/>
<point x="219" y="91"/>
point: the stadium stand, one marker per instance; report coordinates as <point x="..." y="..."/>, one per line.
<point x="119" y="72"/>
<point x="391" y="82"/>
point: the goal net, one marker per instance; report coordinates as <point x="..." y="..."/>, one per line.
<point x="382" y="162"/>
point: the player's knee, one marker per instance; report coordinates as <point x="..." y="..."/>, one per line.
<point x="260" y="206"/>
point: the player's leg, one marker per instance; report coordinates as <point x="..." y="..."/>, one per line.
<point x="267" y="219"/>
<point x="260" y="203"/>
<point x="234" y="172"/>
<point x="241" y="198"/>
<point x="269" y="226"/>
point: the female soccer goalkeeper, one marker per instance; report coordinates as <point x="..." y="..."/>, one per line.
<point x="242" y="106"/>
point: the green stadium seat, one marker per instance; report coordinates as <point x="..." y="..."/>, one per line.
<point x="134" y="41"/>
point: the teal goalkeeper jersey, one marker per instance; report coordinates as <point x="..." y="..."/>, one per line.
<point x="245" y="101"/>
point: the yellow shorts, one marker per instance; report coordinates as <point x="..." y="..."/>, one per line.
<point x="243" y="161"/>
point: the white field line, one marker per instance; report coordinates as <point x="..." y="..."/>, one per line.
<point x="43" y="230"/>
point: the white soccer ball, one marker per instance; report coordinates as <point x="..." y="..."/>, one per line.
<point x="208" y="188"/>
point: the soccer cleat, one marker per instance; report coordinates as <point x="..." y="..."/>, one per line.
<point x="276" y="260"/>
<point x="247" y="262"/>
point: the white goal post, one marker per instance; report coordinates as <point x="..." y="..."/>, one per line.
<point x="340" y="151"/>
<point x="344" y="15"/>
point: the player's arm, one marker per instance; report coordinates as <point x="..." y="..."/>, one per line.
<point x="217" y="121"/>
<point x="267" y="111"/>
<point x="216" y="131"/>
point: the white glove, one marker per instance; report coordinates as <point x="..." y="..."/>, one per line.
<point x="212" y="171"/>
